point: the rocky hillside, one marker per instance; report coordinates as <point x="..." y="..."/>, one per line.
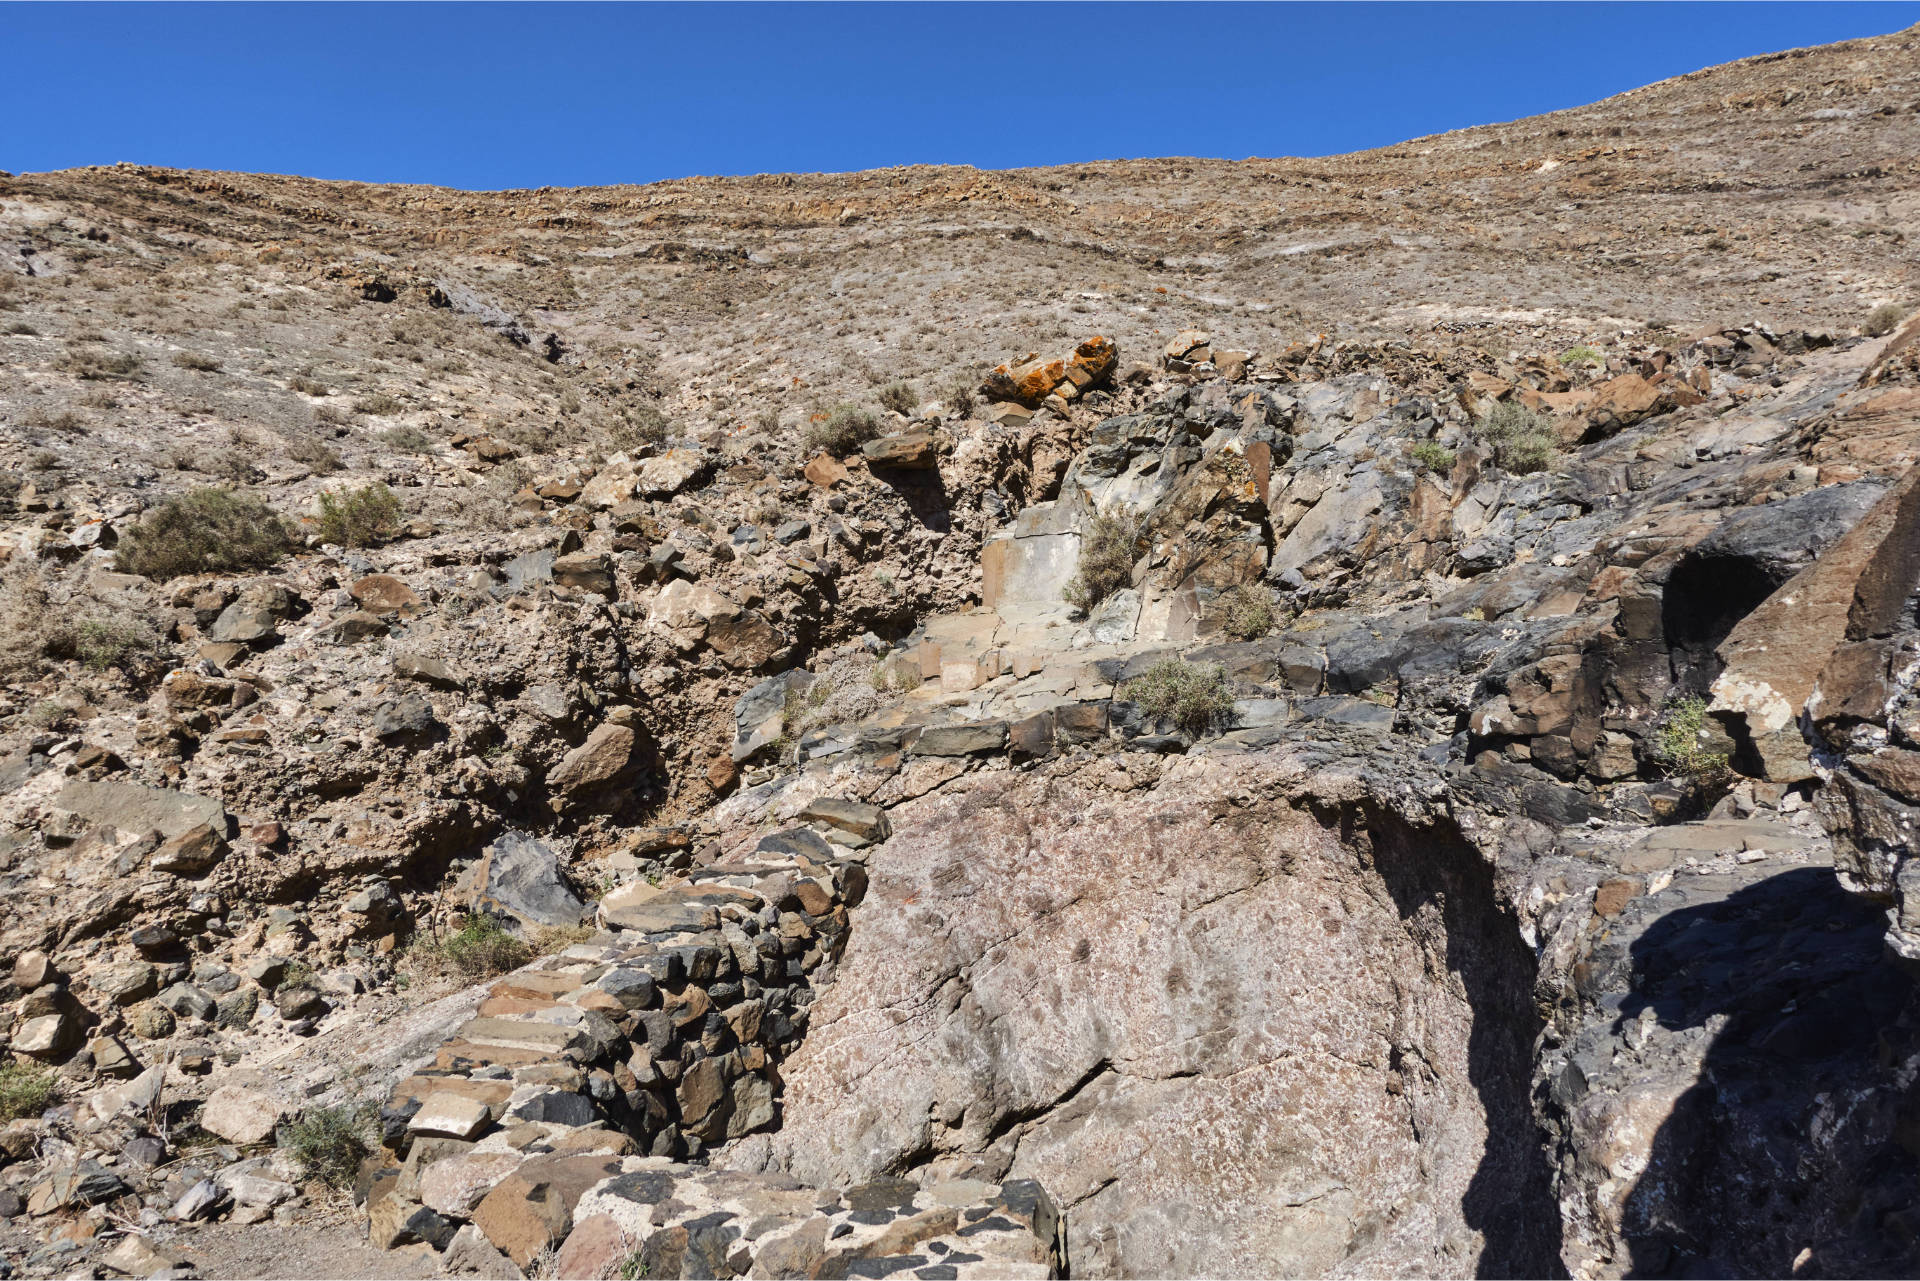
<point x="1340" y="717"/>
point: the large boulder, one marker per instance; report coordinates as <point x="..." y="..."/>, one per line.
<point x="1195" y="1014"/>
<point x="518" y="879"/>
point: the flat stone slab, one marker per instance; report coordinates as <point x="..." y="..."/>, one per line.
<point x="544" y="1038"/>
<point x="961" y="740"/>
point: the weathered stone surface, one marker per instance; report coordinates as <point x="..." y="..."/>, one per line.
<point x="518" y="879"/>
<point x="606" y="758"/>
<point x="240" y="1115"/>
<point x="1774" y="656"/>
<point x="132" y="808"/>
<point x="1081" y="1045"/>
<point x="914" y="450"/>
<point x="961" y="740"/>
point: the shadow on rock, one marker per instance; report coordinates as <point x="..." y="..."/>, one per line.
<point x="1510" y="1199"/>
<point x="1784" y="1158"/>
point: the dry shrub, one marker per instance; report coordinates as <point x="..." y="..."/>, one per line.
<point x="1247" y="612"/>
<point x="359" y="517"/>
<point x="195" y="361"/>
<point x="1522" y="441"/>
<point x="1881" y="320"/>
<point x="842" y="431"/>
<point x="1194" y="696"/>
<point x="36" y="626"/>
<point x="901" y="397"/>
<point x="1106" y="563"/>
<point x="205" y="531"/>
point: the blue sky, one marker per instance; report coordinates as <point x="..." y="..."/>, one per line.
<point x="514" y="95"/>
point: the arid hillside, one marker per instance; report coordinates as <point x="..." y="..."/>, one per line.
<point x="1343" y="717"/>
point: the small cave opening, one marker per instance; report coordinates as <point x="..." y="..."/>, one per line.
<point x="1705" y="597"/>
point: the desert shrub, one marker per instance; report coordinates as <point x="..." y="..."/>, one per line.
<point x="408" y="439"/>
<point x="98" y="363"/>
<point x="306" y="385"/>
<point x="961" y="392"/>
<point x="358" y="517"/>
<point x="1106" y="563"/>
<point x="1432" y="455"/>
<point x="1247" y="611"/>
<point x="1194" y="696"/>
<point x="21" y="329"/>
<point x="642" y="424"/>
<point x="379" y="404"/>
<point x="312" y="454"/>
<point x="901" y="397"/>
<point x="1582" y="355"/>
<point x="195" y="361"/>
<point x="1522" y="441"/>
<point x="479" y="949"/>
<point x="1881" y="320"/>
<point x="1677" y="748"/>
<point x="205" y="531"/>
<point x="842" y="431"/>
<point x="330" y="1142"/>
<point x="25" y="1091"/>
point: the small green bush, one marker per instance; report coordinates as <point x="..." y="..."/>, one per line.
<point x="1432" y="455"/>
<point x="901" y="397"/>
<point x="481" y="948"/>
<point x="25" y="1091"/>
<point x="1522" y="441"/>
<point x="205" y="531"/>
<point x="1881" y="320"/>
<point x="1107" y="554"/>
<point x="1677" y="748"/>
<point x="843" y="431"/>
<point x="1194" y="696"/>
<point x="1247" y="612"/>
<point x="195" y="361"/>
<point x="1582" y="355"/>
<point x="358" y="517"/>
<point x="329" y="1142"/>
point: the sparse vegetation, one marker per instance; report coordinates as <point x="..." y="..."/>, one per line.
<point x="901" y="397"/>
<point x="1106" y="563"/>
<point x="641" y="424"/>
<point x="1881" y="320"/>
<point x="407" y="439"/>
<point x="961" y="393"/>
<point x="1247" y="611"/>
<point x="329" y="1142"/>
<point x="92" y="363"/>
<point x="205" y="531"/>
<point x="1522" y="441"/>
<point x="306" y="385"/>
<point x="359" y="517"/>
<point x="380" y="404"/>
<point x="843" y="430"/>
<point x="1677" y="745"/>
<point x="195" y="361"/>
<point x="25" y="1091"/>
<point x="1582" y="355"/>
<point x="1432" y="455"/>
<point x="310" y="453"/>
<point x="481" y="948"/>
<point x="1194" y="696"/>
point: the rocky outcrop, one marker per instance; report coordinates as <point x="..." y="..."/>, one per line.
<point x="1129" y="982"/>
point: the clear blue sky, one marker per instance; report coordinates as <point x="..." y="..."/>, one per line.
<point x="526" y="95"/>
